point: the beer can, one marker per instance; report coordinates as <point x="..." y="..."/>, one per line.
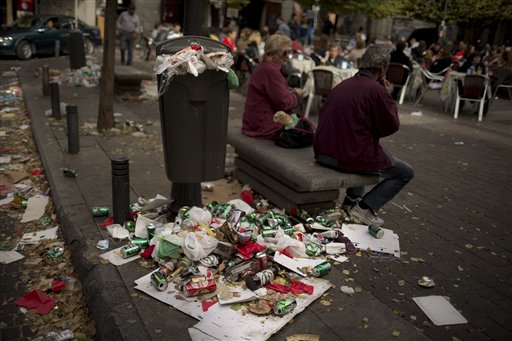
<point x="288" y="230"/>
<point x="313" y="250"/>
<point x="129" y="225"/>
<point x="2" y="169"/>
<point x="321" y="269"/>
<point x="262" y="259"/>
<point x="151" y="228"/>
<point x="167" y="269"/>
<point x="376" y="231"/>
<point x="199" y="288"/>
<point x="69" y="173"/>
<point x="130" y="250"/>
<point x="285" y="306"/>
<point x="141" y="242"/>
<point x="55" y="252"/>
<point x="100" y="211"/>
<point x="209" y="261"/>
<point x="185" y="262"/>
<point x="268" y="233"/>
<point x="159" y="281"/>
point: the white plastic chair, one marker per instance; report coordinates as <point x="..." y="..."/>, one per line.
<point x="474" y="90"/>
<point x="430" y="81"/>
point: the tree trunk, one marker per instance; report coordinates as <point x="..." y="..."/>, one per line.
<point x="106" y="107"/>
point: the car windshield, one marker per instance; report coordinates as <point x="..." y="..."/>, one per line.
<point x="25" y="22"/>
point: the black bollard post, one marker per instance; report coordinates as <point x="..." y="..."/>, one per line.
<point x="57" y="48"/>
<point x="120" y="189"/>
<point x="46" y="80"/>
<point x="185" y="194"/>
<point x="55" y="98"/>
<point x="73" y="131"/>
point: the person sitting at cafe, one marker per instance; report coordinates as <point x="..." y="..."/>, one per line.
<point x="473" y="65"/>
<point x="333" y="57"/>
<point x="398" y="55"/>
<point x="268" y="91"/>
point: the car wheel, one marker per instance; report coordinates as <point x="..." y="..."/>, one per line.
<point x="24" y="50"/>
<point x="88" y="46"/>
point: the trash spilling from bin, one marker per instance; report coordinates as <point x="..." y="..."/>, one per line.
<point x="242" y="264"/>
<point x="190" y="60"/>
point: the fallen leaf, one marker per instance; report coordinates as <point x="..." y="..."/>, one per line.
<point x="303" y="337"/>
<point x="468" y="246"/>
<point x="365" y="320"/>
<point x="358" y="289"/>
<point x="346" y="272"/>
<point x="401" y="282"/>
<point x="395" y="333"/>
<point x="324" y="302"/>
<point x="413" y="317"/>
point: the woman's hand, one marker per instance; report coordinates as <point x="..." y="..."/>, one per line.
<point x="298" y="91"/>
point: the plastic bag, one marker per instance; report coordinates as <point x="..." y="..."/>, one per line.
<point x="282" y="241"/>
<point x="197" y="246"/>
<point x="168" y="250"/>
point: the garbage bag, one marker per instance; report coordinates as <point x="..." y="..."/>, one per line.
<point x="197" y="246"/>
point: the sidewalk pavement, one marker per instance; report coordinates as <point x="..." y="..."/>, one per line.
<point x="453" y="220"/>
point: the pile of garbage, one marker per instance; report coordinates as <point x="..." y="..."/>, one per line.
<point x="205" y="252"/>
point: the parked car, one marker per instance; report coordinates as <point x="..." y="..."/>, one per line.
<point x="33" y="35"/>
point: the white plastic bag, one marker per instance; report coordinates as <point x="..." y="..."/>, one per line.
<point x="282" y="241"/>
<point x="197" y="245"/>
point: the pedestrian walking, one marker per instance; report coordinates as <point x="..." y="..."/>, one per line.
<point x="128" y="25"/>
<point x="357" y="113"/>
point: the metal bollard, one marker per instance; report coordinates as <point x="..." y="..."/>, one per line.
<point x="120" y="189"/>
<point x="57" y="48"/>
<point x="73" y="131"/>
<point x="55" y="98"/>
<point x="46" y="80"/>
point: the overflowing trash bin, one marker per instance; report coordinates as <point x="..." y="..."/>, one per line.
<point x="194" y="102"/>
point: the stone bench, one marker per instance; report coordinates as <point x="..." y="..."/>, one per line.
<point x="128" y="79"/>
<point x="289" y="178"/>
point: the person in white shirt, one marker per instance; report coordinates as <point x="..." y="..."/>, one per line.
<point x="129" y="27"/>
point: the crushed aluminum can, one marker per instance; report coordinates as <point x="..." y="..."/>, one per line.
<point x="285" y="306"/>
<point x="130" y="250"/>
<point x="210" y="261"/>
<point x="376" y="231"/>
<point x="70" y="173"/>
<point x="244" y="236"/>
<point x="199" y="288"/>
<point x="55" y="252"/>
<point x="159" y="281"/>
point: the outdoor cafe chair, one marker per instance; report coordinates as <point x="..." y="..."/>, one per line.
<point x="430" y="81"/>
<point x="473" y="90"/>
<point x="322" y="87"/>
<point x="399" y="75"/>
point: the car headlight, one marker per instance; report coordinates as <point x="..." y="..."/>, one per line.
<point x="6" y="41"/>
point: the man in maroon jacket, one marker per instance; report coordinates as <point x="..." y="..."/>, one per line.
<point x="357" y="113"/>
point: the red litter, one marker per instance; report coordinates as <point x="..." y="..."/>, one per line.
<point x="37" y="300"/>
